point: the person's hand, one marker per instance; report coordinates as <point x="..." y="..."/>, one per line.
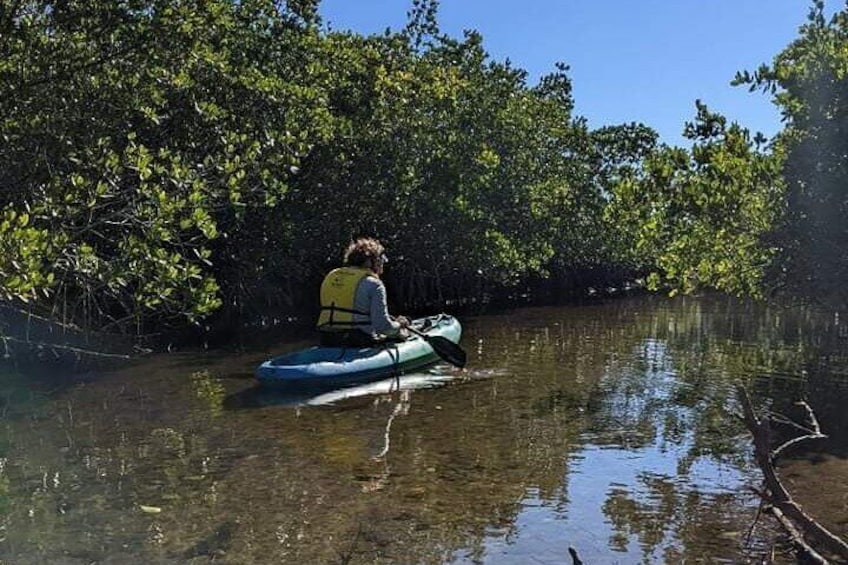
<point x="403" y="321"/>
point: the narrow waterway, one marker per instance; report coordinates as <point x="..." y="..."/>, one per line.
<point x="607" y="427"/>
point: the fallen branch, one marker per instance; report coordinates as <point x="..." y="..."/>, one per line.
<point x="59" y="347"/>
<point x="806" y="532"/>
<point x="797" y="537"/>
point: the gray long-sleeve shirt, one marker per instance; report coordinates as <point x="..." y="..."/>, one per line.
<point x="370" y="297"/>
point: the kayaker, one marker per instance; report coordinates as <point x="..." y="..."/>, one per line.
<point x="353" y="300"/>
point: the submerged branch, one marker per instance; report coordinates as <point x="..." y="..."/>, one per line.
<point x="68" y="348"/>
<point x="797" y="536"/>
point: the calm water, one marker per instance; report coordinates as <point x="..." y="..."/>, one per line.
<point x="606" y="427"/>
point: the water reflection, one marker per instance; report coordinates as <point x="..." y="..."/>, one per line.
<point x="606" y="427"/>
<point x="259" y="396"/>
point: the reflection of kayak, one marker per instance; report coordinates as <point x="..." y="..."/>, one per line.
<point x="263" y="396"/>
<point x="334" y="367"/>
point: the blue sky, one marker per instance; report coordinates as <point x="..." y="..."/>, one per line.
<point x="631" y="60"/>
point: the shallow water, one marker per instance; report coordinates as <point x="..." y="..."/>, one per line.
<point x="605" y="427"/>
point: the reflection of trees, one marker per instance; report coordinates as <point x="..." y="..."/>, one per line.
<point x="708" y="346"/>
<point x="785" y="354"/>
<point x="665" y="377"/>
<point x="648" y="522"/>
<point x="673" y="522"/>
<point x="274" y="484"/>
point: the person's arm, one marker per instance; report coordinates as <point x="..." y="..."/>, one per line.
<point x="380" y="319"/>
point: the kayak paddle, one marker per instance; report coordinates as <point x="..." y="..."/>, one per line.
<point x="444" y="348"/>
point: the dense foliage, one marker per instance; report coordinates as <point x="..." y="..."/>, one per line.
<point x="703" y="214"/>
<point x="138" y="140"/>
<point x="809" y="80"/>
<point x="165" y="163"/>
<point x="734" y="214"/>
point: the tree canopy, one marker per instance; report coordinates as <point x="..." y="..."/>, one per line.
<point x="809" y="83"/>
<point x="173" y="163"/>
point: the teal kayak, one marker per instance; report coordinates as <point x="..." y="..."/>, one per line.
<point x="336" y="367"/>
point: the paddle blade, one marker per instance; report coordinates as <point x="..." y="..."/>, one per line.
<point x="446" y="349"/>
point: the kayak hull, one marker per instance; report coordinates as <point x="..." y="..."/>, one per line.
<point x="337" y="367"/>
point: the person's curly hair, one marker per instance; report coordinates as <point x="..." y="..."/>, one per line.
<point x="361" y="250"/>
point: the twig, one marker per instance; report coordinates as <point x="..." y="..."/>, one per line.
<point x="70" y="348"/>
<point x="756" y="518"/>
<point x="814" y="433"/>
<point x="781" y="419"/>
<point x="575" y="559"/>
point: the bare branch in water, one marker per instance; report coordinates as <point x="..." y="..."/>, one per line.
<point x="68" y="348"/>
<point x="806" y="533"/>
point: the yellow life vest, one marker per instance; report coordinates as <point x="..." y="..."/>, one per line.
<point x="337" y="295"/>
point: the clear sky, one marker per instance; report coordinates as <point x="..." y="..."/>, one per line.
<point x="631" y="60"/>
